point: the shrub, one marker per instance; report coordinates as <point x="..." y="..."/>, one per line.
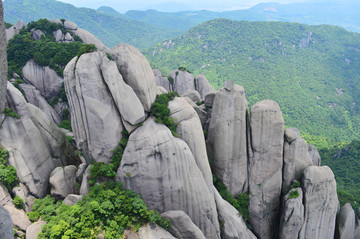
<point x="10" y="113"/>
<point x="7" y="173"/>
<point x="66" y="124"/>
<point x="294" y="194"/>
<point x="18" y="202"/>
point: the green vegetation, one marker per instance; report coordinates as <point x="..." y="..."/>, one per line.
<point x="240" y="202"/>
<point x="109" y="170"/>
<point x="8" y="25"/>
<point x="311" y="71"/>
<point x="18" y="202"/>
<point x="294" y="194"/>
<point x="344" y="161"/>
<point x="10" y="113"/>
<point x="161" y="112"/>
<point x="66" y="124"/>
<point x="7" y="172"/>
<point x="108" y="209"/>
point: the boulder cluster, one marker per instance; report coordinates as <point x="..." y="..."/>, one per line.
<point x="248" y="150"/>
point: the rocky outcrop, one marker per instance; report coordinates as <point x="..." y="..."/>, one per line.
<point x="193" y="95"/>
<point x="34" y="97"/>
<point x="45" y="79"/>
<point x="137" y="73"/>
<point x="181" y="225"/>
<point x="227" y="139"/>
<point x="71" y="199"/>
<point x="346" y="223"/>
<point x="3" y="61"/>
<point x="36" y="145"/>
<point x="314" y="155"/>
<point x="149" y="231"/>
<point x="234" y="226"/>
<point x="189" y="129"/>
<point x="62" y="181"/>
<point x="12" y="31"/>
<point x="37" y="34"/>
<point x="296" y="158"/>
<point x="33" y="230"/>
<point x="320" y="202"/>
<point x="265" y="167"/>
<point x="183" y="81"/>
<point x="95" y="118"/>
<point x="162" y="81"/>
<point x="203" y="86"/>
<point x="292" y="216"/>
<point x="6" y="227"/>
<point x="18" y="217"/>
<point x="163" y="171"/>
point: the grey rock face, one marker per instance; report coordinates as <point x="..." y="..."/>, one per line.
<point x="6" y="226"/>
<point x="203" y="86"/>
<point x="193" y="95"/>
<point x="37" y="35"/>
<point x="95" y="118"/>
<point x="59" y="36"/>
<point x="160" y="90"/>
<point x="162" y="81"/>
<point x="137" y="73"/>
<point x="183" y="81"/>
<point x="292" y="216"/>
<point x="320" y="201"/>
<point x="296" y="158"/>
<point x="346" y="223"/>
<point x="265" y="169"/>
<point x="3" y="61"/>
<point x="314" y="155"/>
<point x="36" y="145"/>
<point x="12" y="31"/>
<point x="181" y="225"/>
<point x="34" y="97"/>
<point x="227" y="139"/>
<point x="5" y="197"/>
<point x="71" y="199"/>
<point x="46" y="80"/>
<point x="85" y="186"/>
<point x="234" y="226"/>
<point x="18" y="217"/>
<point x="189" y="129"/>
<point x="200" y="110"/>
<point x="163" y="171"/>
<point x="149" y="231"/>
<point x="62" y="181"/>
<point x="89" y="38"/>
<point x="33" y="230"/>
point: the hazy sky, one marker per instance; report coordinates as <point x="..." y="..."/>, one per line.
<point x="215" y="5"/>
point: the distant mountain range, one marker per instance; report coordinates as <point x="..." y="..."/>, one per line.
<point x="144" y="29"/>
<point x="311" y="71"/>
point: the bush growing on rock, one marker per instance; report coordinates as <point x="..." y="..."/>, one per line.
<point x="7" y="173"/>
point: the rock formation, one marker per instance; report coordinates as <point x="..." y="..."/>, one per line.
<point x="346" y="222"/>
<point x="6" y="226"/>
<point x="227" y="139"/>
<point x="265" y="167"/>
<point x="203" y="86"/>
<point x="12" y="31"/>
<point x="314" y="155"/>
<point x="62" y="181"/>
<point x="3" y="60"/>
<point x="183" y="81"/>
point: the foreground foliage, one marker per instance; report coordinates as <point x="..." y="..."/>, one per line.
<point x="108" y="209"/>
<point x="7" y="172"/>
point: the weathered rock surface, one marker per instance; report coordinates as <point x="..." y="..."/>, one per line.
<point x="162" y="81"/>
<point x="22" y="192"/>
<point x="34" y="97"/>
<point x="163" y="171"/>
<point x="45" y="79"/>
<point x="37" y="34"/>
<point x="314" y="155"/>
<point x="5" y="197"/>
<point x="203" y="86"/>
<point x="200" y="110"/>
<point x="346" y="223"/>
<point x="227" y="139"/>
<point x="127" y="102"/>
<point x="320" y="201"/>
<point x="95" y="118"/>
<point x="234" y="226"/>
<point x="12" y="31"/>
<point x="71" y="199"/>
<point x="149" y="231"/>
<point x="36" y="145"/>
<point x="181" y="225"/>
<point x="137" y="73"/>
<point x="265" y="167"/>
<point x="33" y="230"/>
<point x="193" y="95"/>
<point x="183" y="81"/>
<point x="62" y="181"/>
<point x="6" y="226"/>
<point x="292" y="216"/>
<point x="160" y="90"/>
<point x="189" y="129"/>
<point x="18" y="217"/>
<point x="85" y="186"/>
<point x="3" y="60"/>
<point x="296" y="158"/>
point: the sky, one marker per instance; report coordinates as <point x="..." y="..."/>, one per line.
<point x="214" y="5"/>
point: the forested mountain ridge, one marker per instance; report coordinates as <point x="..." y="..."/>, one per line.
<point x="311" y="71"/>
<point x="109" y="29"/>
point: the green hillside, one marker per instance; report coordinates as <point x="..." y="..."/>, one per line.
<point x="109" y="29"/>
<point x="311" y="71"/>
